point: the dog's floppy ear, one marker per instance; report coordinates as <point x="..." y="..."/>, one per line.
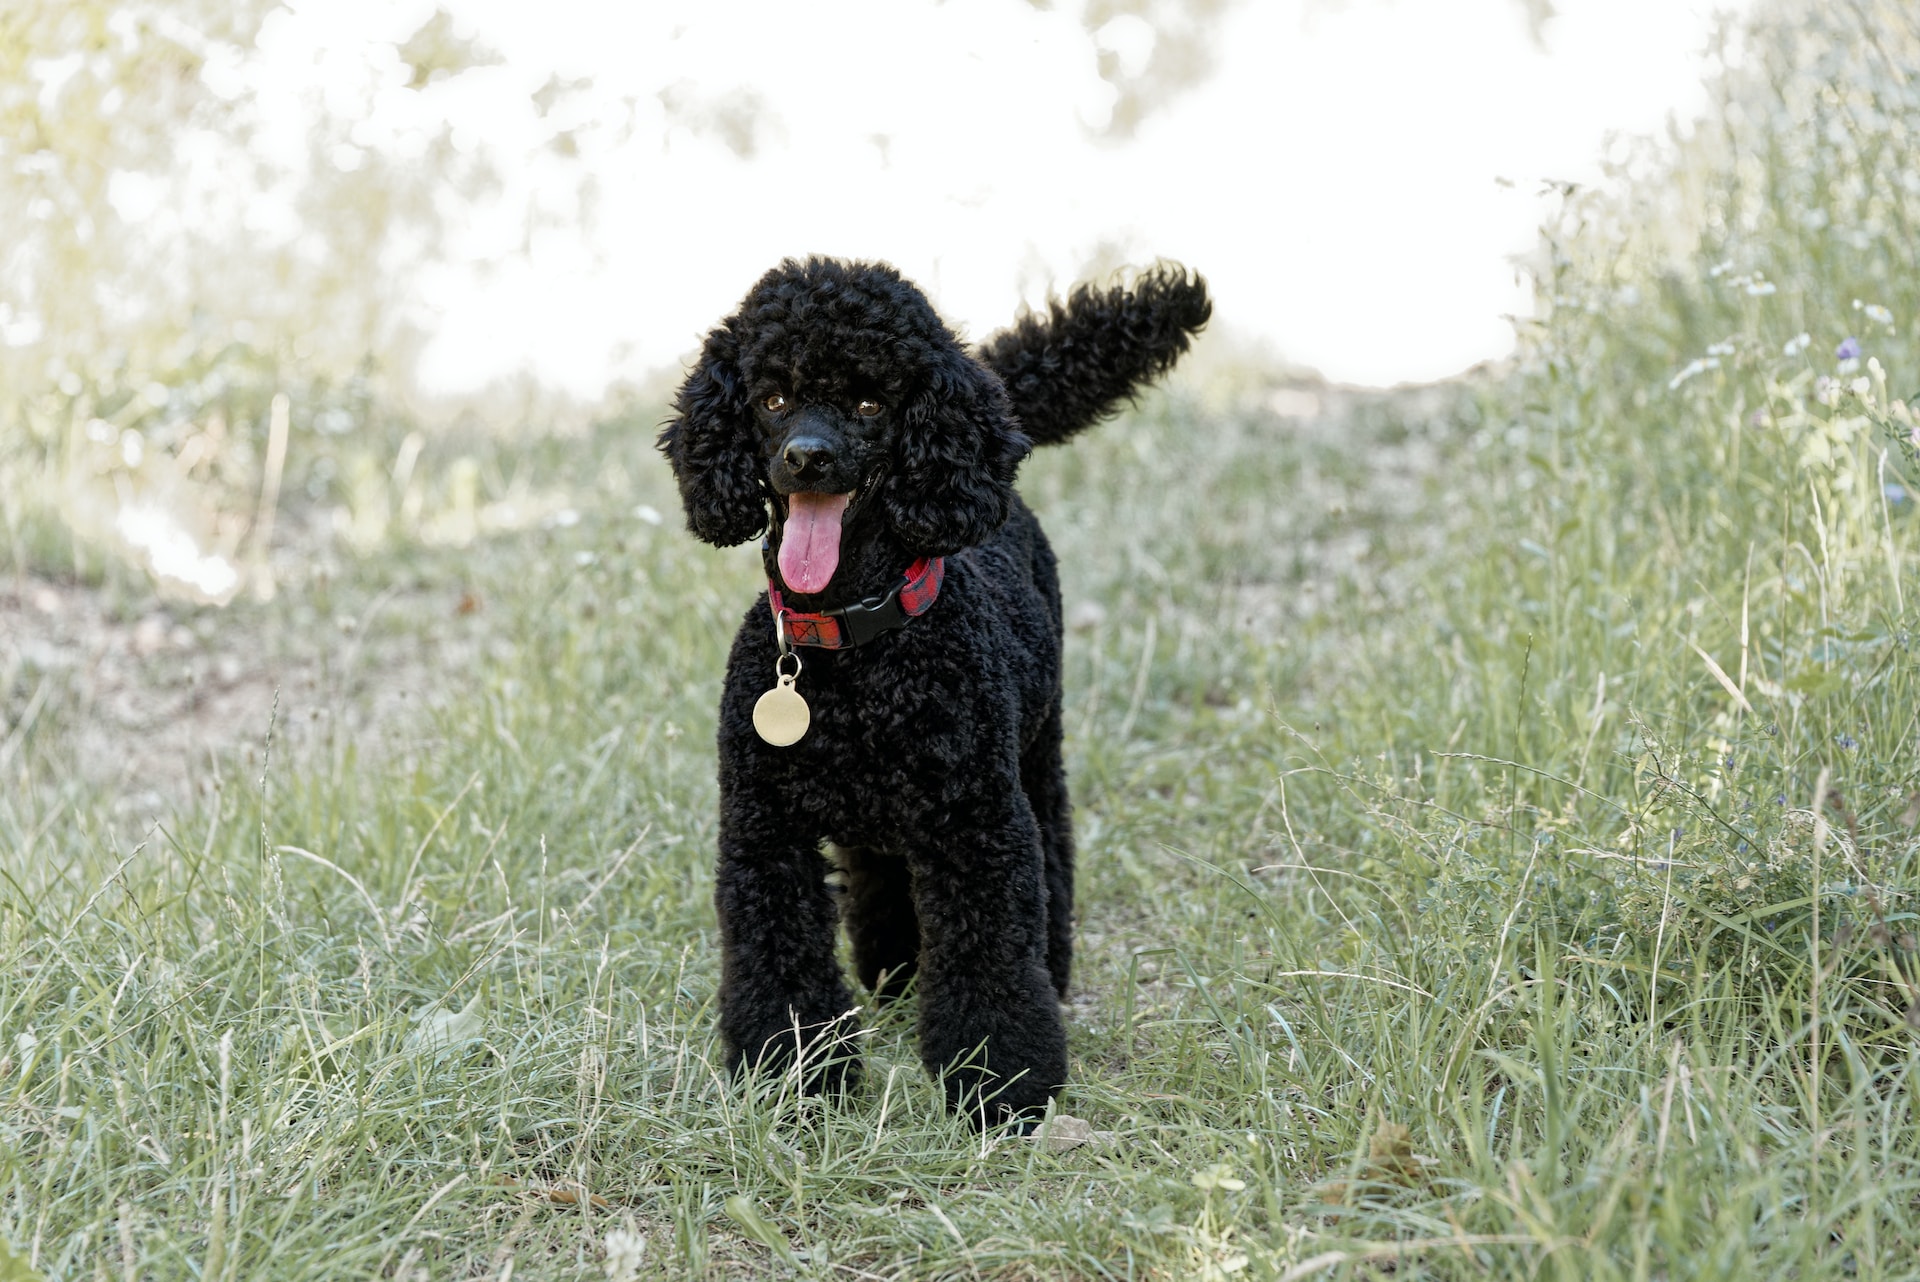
<point x="711" y="445"/>
<point x="955" y="456"/>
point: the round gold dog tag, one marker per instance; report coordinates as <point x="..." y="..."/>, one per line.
<point x="781" y="715"/>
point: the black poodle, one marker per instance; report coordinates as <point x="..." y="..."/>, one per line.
<point x="917" y="660"/>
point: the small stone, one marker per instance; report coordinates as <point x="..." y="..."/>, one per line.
<point x="1064" y="1132"/>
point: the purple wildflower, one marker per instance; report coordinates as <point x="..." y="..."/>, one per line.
<point x="1849" y="349"/>
<point x="1847" y="742"/>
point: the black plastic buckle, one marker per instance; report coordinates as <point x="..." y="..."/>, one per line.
<point x="873" y="617"/>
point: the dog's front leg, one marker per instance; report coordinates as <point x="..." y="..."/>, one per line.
<point x="782" y="998"/>
<point x="989" y="1016"/>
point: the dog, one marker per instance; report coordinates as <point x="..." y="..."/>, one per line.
<point x="897" y="690"/>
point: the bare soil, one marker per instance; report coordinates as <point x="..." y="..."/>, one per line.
<point x="158" y="702"/>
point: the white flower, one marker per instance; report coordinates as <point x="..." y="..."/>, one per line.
<point x="1797" y="345"/>
<point x="626" y="1248"/>
<point x="1697" y="366"/>
<point x="1722" y="348"/>
<point x="1878" y="314"/>
<point x="1760" y="288"/>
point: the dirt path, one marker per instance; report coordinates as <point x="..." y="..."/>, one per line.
<point x="155" y="704"/>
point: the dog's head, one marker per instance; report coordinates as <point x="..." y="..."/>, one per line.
<point x="835" y="404"/>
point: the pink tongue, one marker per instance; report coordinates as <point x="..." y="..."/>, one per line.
<point x="810" y="544"/>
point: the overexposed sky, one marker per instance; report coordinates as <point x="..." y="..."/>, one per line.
<point x="1337" y="178"/>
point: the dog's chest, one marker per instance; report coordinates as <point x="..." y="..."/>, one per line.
<point x="869" y="729"/>
<point x="878" y="745"/>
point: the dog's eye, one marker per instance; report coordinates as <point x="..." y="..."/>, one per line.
<point x="776" y="403"/>
<point x="867" y="409"/>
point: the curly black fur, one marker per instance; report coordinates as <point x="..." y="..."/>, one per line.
<point x="1071" y="367"/>
<point x="933" y="758"/>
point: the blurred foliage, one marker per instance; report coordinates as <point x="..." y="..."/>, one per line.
<point x="1153" y="51"/>
<point x="148" y="213"/>
<point x="438" y="50"/>
<point x="176" y="262"/>
<point x="96" y="99"/>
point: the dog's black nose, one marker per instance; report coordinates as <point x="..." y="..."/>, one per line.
<point x="807" y="454"/>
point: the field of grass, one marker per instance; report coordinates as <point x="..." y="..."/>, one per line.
<point x="1497" y="806"/>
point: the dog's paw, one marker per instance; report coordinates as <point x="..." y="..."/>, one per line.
<point x="821" y="1058"/>
<point x="989" y="1100"/>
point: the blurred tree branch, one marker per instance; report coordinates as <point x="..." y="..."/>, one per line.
<point x="91" y="91"/>
<point x="1539" y="13"/>
<point x="1152" y="51"/>
<point x="146" y="217"/>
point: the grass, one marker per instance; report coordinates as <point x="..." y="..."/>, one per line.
<point x="1497" y="806"/>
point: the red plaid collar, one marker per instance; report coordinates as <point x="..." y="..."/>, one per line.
<point x="854" y="625"/>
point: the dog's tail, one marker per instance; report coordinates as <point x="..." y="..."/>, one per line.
<point x="1072" y="365"/>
